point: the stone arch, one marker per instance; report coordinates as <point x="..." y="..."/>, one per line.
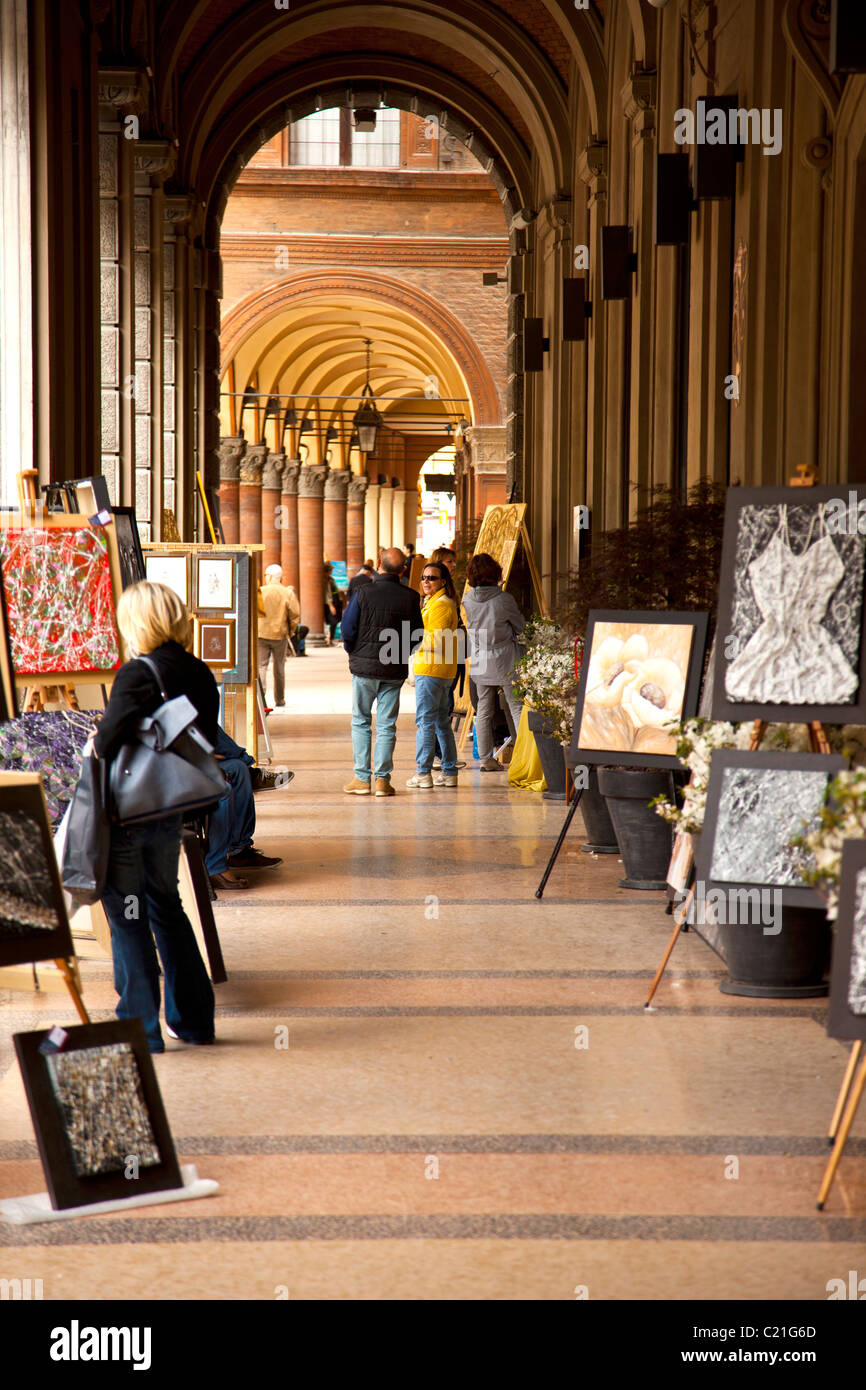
<point x="384" y="289"/>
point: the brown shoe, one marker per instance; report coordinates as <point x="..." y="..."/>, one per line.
<point x="228" y="879"/>
<point x="383" y="787"/>
<point x="358" y="788"/>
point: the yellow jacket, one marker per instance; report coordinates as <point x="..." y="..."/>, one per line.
<point x="437" y="655"/>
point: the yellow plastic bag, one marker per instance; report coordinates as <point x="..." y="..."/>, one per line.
<point x="525" y="767"/>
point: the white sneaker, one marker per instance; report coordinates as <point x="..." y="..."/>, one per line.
<point x="440" y="780"/>
<point x="421" y="782"/>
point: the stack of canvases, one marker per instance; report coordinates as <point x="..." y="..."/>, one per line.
<point x="92" y="1090"/>
<point x="760" y="847"/>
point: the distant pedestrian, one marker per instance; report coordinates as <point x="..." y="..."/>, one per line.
<point x="381" y="626"/>
<point x="277" y="605"/>
<point x="494" y="624"/>
<point x="435" y="667"/>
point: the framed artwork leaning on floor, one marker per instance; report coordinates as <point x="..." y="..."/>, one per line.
<point x="33" y="921"/>
<point x="98" y="1114"/>
<point x="640" y="675"/>
<point x="847" y="1016"/>
<point x="790" y="636"/>
<point x="757" y="802"/>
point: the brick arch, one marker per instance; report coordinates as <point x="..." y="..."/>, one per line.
<point x="383" y="289"/>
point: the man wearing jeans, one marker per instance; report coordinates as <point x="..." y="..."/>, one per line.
<point x="381" y="627"/>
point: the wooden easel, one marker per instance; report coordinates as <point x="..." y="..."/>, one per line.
<point x="848" y="1100"/>
<point x="818" y="744"/>
<point x="37" y="696"/>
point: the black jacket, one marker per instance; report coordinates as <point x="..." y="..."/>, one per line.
<point x="134" y="694"/>
<point x="384" y="630"/>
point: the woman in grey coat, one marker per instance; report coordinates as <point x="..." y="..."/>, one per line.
<point x="494" y="623"/>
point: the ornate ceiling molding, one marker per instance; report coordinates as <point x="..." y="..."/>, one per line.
<point x="806" y="27"/>
<point x="127" y="89"/>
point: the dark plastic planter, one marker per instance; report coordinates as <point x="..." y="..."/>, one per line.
<point x="792" y="964"/>
<point x="552" y="756"/>
<point x="645" y="840"/>
<point x="601" y="836"/>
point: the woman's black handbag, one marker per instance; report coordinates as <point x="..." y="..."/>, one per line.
<point x="170" y="770"/>
<point x="88" y="834"/>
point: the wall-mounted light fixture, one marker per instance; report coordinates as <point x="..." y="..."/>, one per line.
<point x="535" y="345"/>
<point x="365" y="119"/>
<point x="618" y="262"/>
<point x="576" y="309"/>
<point x="492" y="277"/>
<point x="672" y="192"/>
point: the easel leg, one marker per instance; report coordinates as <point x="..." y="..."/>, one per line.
<point x="558" y="846"/>
<point x="844" y="1089"/>
<point x="66" y="970"/>
<point x="669" y="948"/>
<point x="841" y="1138"/>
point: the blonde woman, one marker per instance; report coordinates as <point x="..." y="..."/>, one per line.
<point x="141" y="898"/>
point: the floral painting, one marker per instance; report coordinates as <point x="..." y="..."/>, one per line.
<point x="635" y="686"/>
<point x="60" y="600"/>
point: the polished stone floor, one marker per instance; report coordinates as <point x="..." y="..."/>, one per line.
<point x="473" y="1102"/>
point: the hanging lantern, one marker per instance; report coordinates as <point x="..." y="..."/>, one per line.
<point x="367" y="418"/>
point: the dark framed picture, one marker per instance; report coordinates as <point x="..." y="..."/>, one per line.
<point x="215" y="582"/>
<point x="96" y="1107"/>
<point x="33" y="921"/>
<point x="171" y="569"/>
<point x="215" y="640"/>
<point x="640" y="673"/>
<point x="131" y="555"/>
<point x="847" y="1016"/>
<point x="757" y="802"/>
<point x="791" y="606"/>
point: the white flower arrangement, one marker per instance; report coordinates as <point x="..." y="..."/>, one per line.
<point x="544" y="676"/>
<point x="842" y="818"/>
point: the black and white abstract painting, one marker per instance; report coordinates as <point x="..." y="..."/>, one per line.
<point x="791" y="609"/>
<point x="857" y="978"/>
<point x="105" y="1119"/>
<point x="847" y="1016"/>
<point x="760" y="812"/>
<point x="27" y="895"/>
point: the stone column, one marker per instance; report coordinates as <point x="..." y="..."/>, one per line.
<point x="386" y="515"/>
<point x="371" y="522"/>
<point x="289" y="525"/>
<point x="488" y="452"/>
<point x="355" y="538"/>
<point x="311" y="549"/>
<point x="252" y="466"/>
<point x="231" y="449"/>
<point x="271" y="517"/>
<point x="398" y="516"/>
<point x="336" y="494"/>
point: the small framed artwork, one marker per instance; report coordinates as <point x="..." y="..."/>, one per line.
<point x="215" y="641"/>
<point x="33" y="921"/>
<point x="757" y="802"/>
<point x="100" y="1123"/>
<point x="132" y="567"/>
<point x="640" y="675"/>
<point x="791" y="606"/>
<point x="171" y="570"/>
<point x="245" y="626"/>
<point x="215" y="582"/>
<point x="847" y="1016"/>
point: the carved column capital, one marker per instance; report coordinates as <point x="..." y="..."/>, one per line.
<point x="290" y="476"/>
<point x="638" y="96"/>
<point x="231" y="447"/>
<point x="311" y="480"/>
<point x="252" y="464"/>
<point x="592" y="168"/>
<point x="358" y="485"/>
<point x="178" y="209"/>
<point x="155" y="159"/>
<point x="126" y="89"/>
<point x="273" y="467"/>
<point x="337" y="485"/>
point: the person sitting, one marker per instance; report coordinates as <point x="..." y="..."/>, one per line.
<point x="277" y="608"/>
<point x="494" y="623"/>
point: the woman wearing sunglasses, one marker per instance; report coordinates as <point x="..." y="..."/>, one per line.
<point x="435" y="667"/>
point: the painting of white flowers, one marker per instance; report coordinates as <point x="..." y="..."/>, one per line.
<point x="640" y="677"/>
<point x="847" y="1016"/>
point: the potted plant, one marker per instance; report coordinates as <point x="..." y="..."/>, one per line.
<point x="544" y="678"/>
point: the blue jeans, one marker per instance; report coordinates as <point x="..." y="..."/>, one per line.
<point x="440" y="747"/>
<point x="366" y="692"/>
<point x="432" y="715"/>
<point x="142" y="902"/>
<point x="233" y="824"/>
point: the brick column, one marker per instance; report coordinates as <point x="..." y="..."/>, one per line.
<point x="355" y="556"/>
<point x="289" y="525"/>
<point x="336" y="493"/>
<point x="386" y="515"/>
<point x="311" y="549"/>
<point x="271" y="487"/>
<point x="371" y="522"/>
<point x="252" y="465"/>
<point x="231" y="450"/>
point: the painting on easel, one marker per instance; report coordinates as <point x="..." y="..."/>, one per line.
<point x="33" y="921"/>
<point x="847" y="1016"/>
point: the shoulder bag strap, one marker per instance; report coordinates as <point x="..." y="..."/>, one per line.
<point x="155" y="673"/>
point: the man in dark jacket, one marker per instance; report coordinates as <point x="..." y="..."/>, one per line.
<point x="381" y="628"/>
